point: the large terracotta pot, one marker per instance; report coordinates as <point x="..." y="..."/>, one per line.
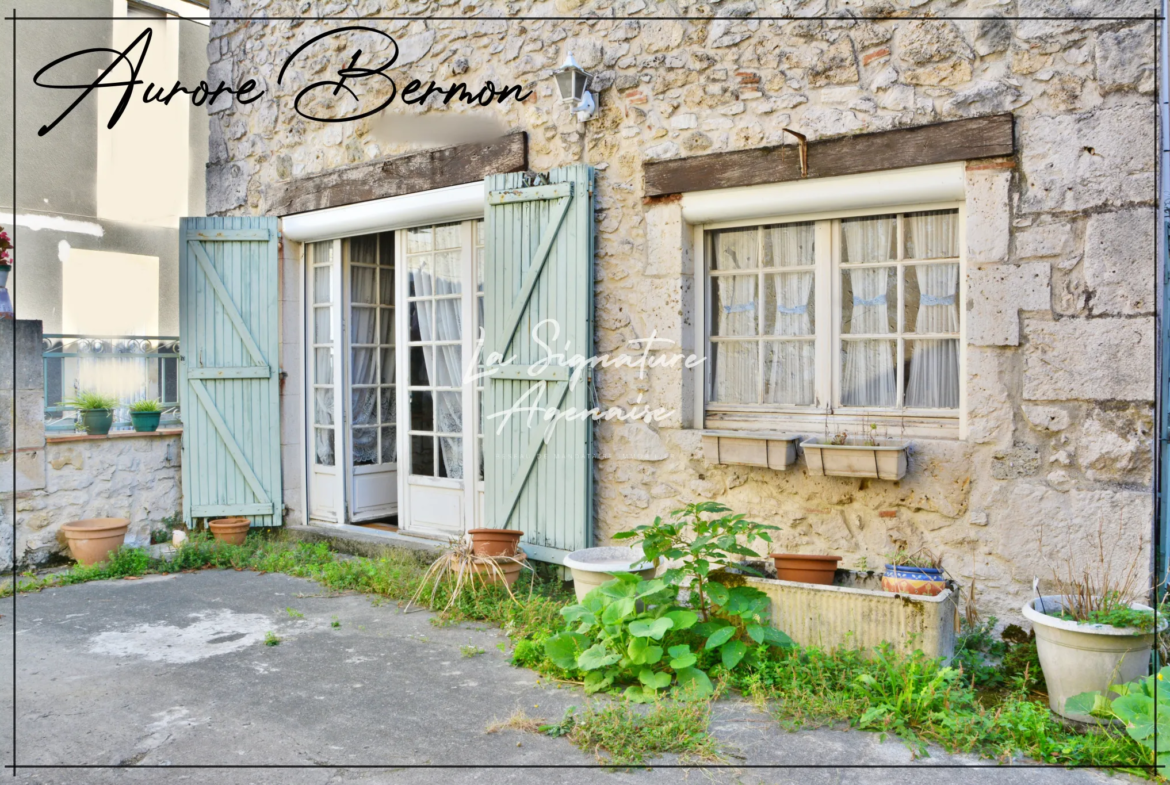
<point x="231" y="531"/>
<point x="511" y="565"/>
<point x="494" y="542"/>
<point x="94" y="539"/>
<point x="804" y="568"/>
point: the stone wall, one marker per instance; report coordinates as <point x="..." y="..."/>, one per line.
<point x="1060" y="256"/>
<point x="67" y="478"/>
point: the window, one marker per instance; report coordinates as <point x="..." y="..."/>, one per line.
<point x="371" y="348"/>
<point x="854" y="315"/>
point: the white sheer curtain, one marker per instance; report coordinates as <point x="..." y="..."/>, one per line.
<point x="736" y="373"/>
<point x="934" y="363"/>
<point x="363" y="358"/>
<point x="869" y="378"/>
<point x="444" y="365"/>
<point x="790" y="364"/>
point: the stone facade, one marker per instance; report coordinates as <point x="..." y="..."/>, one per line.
<point x="1060" y="237"/>
<point x="67" y="478"/>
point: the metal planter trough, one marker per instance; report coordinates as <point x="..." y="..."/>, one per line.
<point x="855" y="613"/>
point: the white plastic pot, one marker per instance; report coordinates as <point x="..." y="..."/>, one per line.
<point x="1080" y="658"/>
<point x="592" y="567"/>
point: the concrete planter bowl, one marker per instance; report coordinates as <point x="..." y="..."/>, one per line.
<point x="230" y="531"/>
<point x="592" y="567"/>
<point x="880" y="462"/>
<point x="94" y="539"/>
<point x="1078" y="657"/>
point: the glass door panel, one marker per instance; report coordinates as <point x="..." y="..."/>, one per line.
<point x="323" y="377"/>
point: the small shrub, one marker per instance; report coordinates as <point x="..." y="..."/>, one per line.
<point x="271" y="639"/>
<point x="629" y="737"/>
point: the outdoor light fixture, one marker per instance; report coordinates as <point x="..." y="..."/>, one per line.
<point x="572" y="81"/>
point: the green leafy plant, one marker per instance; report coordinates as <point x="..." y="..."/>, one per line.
<point x="293" y="613"/>
<point x="271" y="639"/>
<point x="89" y="400"/>
<point x="1144" y="710"/>
<point x="921" y="558"/>
<point x="562" y="728"/>
<point x="146" y="405"/>
<point x="470" y="651"/>
<point x="335" y="624"/>
<point x="1117" y="616"/>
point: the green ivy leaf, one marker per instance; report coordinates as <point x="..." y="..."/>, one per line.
<point x="720" y="637"/>
<point x="654" y="681"/>
<point x="732" y="652"/>
<point x="596" y="656"/>
<point x="636" y="694"/>
<point x="596" y="681"/>
<point x="564" y="648"/>
<point x="644" y="628"/>
<point x="683" y="620"/>
<point x="694" y="683"/>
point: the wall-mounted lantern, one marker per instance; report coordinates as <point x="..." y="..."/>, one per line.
<point x="572" y="83"/>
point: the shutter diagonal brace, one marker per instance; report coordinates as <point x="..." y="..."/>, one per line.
<point x="540" y="257"/>
<point x="234" y="449"/>
<point x="229" y="307"/>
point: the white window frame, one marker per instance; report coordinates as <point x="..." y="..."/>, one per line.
<point x="826" y="414"/>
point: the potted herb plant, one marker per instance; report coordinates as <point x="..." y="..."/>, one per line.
<point x="917" y="572"/>
<point x="145" y="415"/>
<point x="845" y="456"/>
<point x="95" y="410"/>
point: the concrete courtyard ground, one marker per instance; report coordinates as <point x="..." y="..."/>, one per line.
<point x="174" y="671"/>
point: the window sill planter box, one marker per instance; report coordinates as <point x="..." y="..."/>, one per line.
<point x="750" y="448"/>
<point x="883" y="462"/>
<point x="592" y="567"/>
<point x="1078" y="657"/>
<point x="855" y="612"/>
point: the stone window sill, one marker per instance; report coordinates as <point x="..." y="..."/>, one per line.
<point x="85" y="437"/>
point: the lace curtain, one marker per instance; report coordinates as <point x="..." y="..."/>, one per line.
<point x="444" y="364"/>
<point x="736" y="372"/>
<point x="934" y="363"/>
<point x="790" y="364"/>
<point x="869" y="378"/>
<point x="363" y="295"/>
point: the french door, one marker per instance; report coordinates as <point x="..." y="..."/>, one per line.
<point x="351" y="369"/>
<point x="441" y="275"/>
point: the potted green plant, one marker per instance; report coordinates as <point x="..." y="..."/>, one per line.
<point x="917" y="572"/>
<point x="145" y="415"/>
<point x="96" y="411"/>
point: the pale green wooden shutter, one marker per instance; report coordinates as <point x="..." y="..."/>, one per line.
<point x="229" y="319"/>
<point x="539" y="265"/>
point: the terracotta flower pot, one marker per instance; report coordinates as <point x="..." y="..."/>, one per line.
<point x="511" y="565"/>
<point x="94" y="539"/>
<point x="804" y="568"/>
<point x="230" y="530"/>
<point x="495" y="542"/>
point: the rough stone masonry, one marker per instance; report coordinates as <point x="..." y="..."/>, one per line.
<point x="1060" y="240"/>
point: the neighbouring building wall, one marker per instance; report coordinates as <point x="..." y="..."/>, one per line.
<point x="68" y="478"/>
<point x="1060" y="239"/>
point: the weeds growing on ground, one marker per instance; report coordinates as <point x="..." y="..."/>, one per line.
<point x="470" y="651"/>
<point x="271" y="639"/>
<point x="620" y="733"/>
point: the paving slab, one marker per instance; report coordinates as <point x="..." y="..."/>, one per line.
<point x="169" y="672"/>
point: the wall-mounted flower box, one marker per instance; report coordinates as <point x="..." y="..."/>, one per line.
<point x="750" y="448"/>
<point x="885" y="461"/>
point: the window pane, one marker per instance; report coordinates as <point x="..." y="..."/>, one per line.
<point x="735" y="371"/>
<point x="418" y="365"/>
<point x="867" y="373"/>
<point x="447" y="236"/>
<point x="932" y="235"/>
<point x="789" y="372"/>
<point x="734" y="304"/>
<point x="932" y="374"/>
<point x="320" y="284"/>
<point x="790" y="308"/>
<point x="364" y="250"/>
<point x="323" y="366"/>
<point x="869" y="301"/>
<point x="386" y="287"/>
<point x="449" y="415"/>
<point x="932" y="298"/>
<point x="365" y="446"/>
<point x="419" y="239"/>
<point x="422" y="411"/>
<point x="365" y="406"/>
<point x="386" y="328"/>
<point x="447" y="279"/>
<point x="791" y="245"/>
<point x="322" y="332"/>
<point x="386" y="249"/>
<point x="363" y="367"/>
<point x="322" y="252"/>
<point x="362" y="325"/>
<point x="735" y="249"/>
<point x="323" y="407"/>
<point x="421" y="283"/>
<point x="387" y="366"/>
<point x="323" y="446"/>
<point x="451" y="457"/>
<point x="389" y="445"/>
<point x="421" y="328"/>
<point x="449" y="372"/>
<point x="362" y="288"/>
<point x="871" y="239"/>
<point x="422" y="456"/>
<point x="388" y="404"/>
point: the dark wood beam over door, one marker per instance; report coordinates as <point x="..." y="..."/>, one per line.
<point x="959" y="140"/>
<point x="403" y="174"/>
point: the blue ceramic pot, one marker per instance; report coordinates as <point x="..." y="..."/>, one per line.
<point x="914" y="580"/>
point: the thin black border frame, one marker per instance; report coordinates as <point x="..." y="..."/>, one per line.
<point x="1160" y="220"/>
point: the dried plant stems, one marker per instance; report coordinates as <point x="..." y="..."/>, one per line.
<point x="461" y="565"/>
<point x="1097" y="586"/>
